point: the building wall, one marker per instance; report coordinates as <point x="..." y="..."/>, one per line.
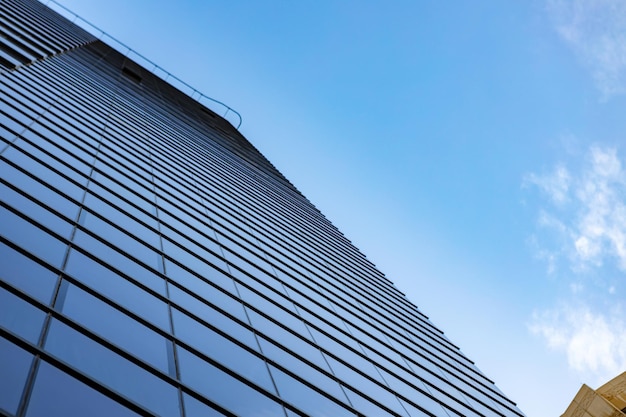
<point x="607" y="401"/>
<point x="153" y="262"/>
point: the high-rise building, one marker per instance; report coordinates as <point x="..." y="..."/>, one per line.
<point x="153" y="262"/>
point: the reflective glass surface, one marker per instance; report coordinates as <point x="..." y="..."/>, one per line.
<point x="20" y="317"/>
<point x="156" y="262"/>
<point x="56" y="394"/>
<point x="112" y="370"/>
<point x="26" y="274"/>
<point x="14" y="366"/>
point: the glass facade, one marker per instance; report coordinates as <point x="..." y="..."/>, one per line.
<point x="153" y="262"/>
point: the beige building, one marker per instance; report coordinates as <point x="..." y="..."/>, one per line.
<point x="607" y="401"/>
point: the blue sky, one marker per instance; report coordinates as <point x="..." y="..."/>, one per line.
<point x="474" y="152"/>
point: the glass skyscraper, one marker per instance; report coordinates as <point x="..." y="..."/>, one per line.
<point x="153" y="262"/>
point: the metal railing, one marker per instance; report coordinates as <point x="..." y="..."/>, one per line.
<point x="210" y="102"/>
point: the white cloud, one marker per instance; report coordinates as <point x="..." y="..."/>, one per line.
<point x="600" y="230"/>
<point x="555" y="185"/>
<point x="588" y="217"/>
<point x="593" y="342"/>
<point x="596" y="31"/>
<point x="583" y="224"/>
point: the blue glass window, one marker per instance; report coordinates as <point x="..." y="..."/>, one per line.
<point x="20" y="317"/>
<point x="188" y="253"/>
<point x="56" y="394"/>
<point x="195" y="408"/>
<point x="117" y="327"/>
<point x="222" y="350"/>
<point x="112" y="370"/>
<point x="31" y="238"/>
<point x="302" y="369"/>
<point x="116" y="258"/>
<point x="215" y="318"/>
<point x="14" y="367"/>
<point x="26" y="274"/>
<point x="36" y="189"/>
<point x="224" y="389"/>
<point x="35" y="211"/>
<point x="200" y="287"/>
<point x="117" y="288"/>
<point x="306" y="398"/>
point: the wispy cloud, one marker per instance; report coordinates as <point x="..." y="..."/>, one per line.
<point x="594" y="343"/>
<point x="583" y="225"/>
<point x="596" y="31"/>
<point x="556" y="184"/>
<point x="588" y="210"/>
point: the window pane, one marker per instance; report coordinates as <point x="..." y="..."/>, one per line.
<point x="14" y="366"/>
<point x="36" y="189"/>
<point x="31" y="238"/>
<point x="98" y="195"/>
<point x="365" y="385"/>
<point x="189" y="254"/>
<point x="303" y="370"/>
<point x="57" y="394"/>
<point x="224" y="389"/>
<point x="35" y="211"/>
<point x="26" y="274"/>
<point x="195" y="408"/>
<point x="120" y="239"/>
<point x="112" y="370"/>
<point x="40" y="171"/>
<point x="305" y="398"/>
<point x="213" y="316"/>
<point x="121" y="262"/>
<point x="117" y="288"/>
<point x="197" y="285"/>
<point x="20" y="317"/>
<point x="222" y="350"/>
<point x="117" y="327"/>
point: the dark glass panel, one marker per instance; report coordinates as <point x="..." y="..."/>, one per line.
<point x="299" y="347"/>
<point x="60" y="148"/>
<point x="57" y="394"/>
<point x="117" y="288"/>
<point x="112" y="370"/>
<point x="26" y="274"/>
<point x="118" y="215"/>
<point x="98" y="195"/>
<point x="195" y="408"/>
<point x="305" y="398"/>
<point x="117" y="327"/>
<point x="61" y="141"/>
<point x="33" y="152"/>
<point x="183" y="229"/>
<point x="273" y="331"/>
<point x="36" y="189"/>
<point x="31" y="238"/>
<point x="200" y="287"/>
<point x="188" y="253"/>
<point x="368" y="408"/>
<point x="116" y="187"/>
<point x="433" y="408"/>
<point x="117" y="259"/>
<point x="20" y="317"/>
<point x="35" y="211"/>
<point x="286" y="317"/>
<point x="214" y="317"/>
<point x="368" y="387"/>
<point x="14" y="366"/>
<point x="223" y="389"/>
<point x="222" y="350"/>
<point x="302" y="369"/>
